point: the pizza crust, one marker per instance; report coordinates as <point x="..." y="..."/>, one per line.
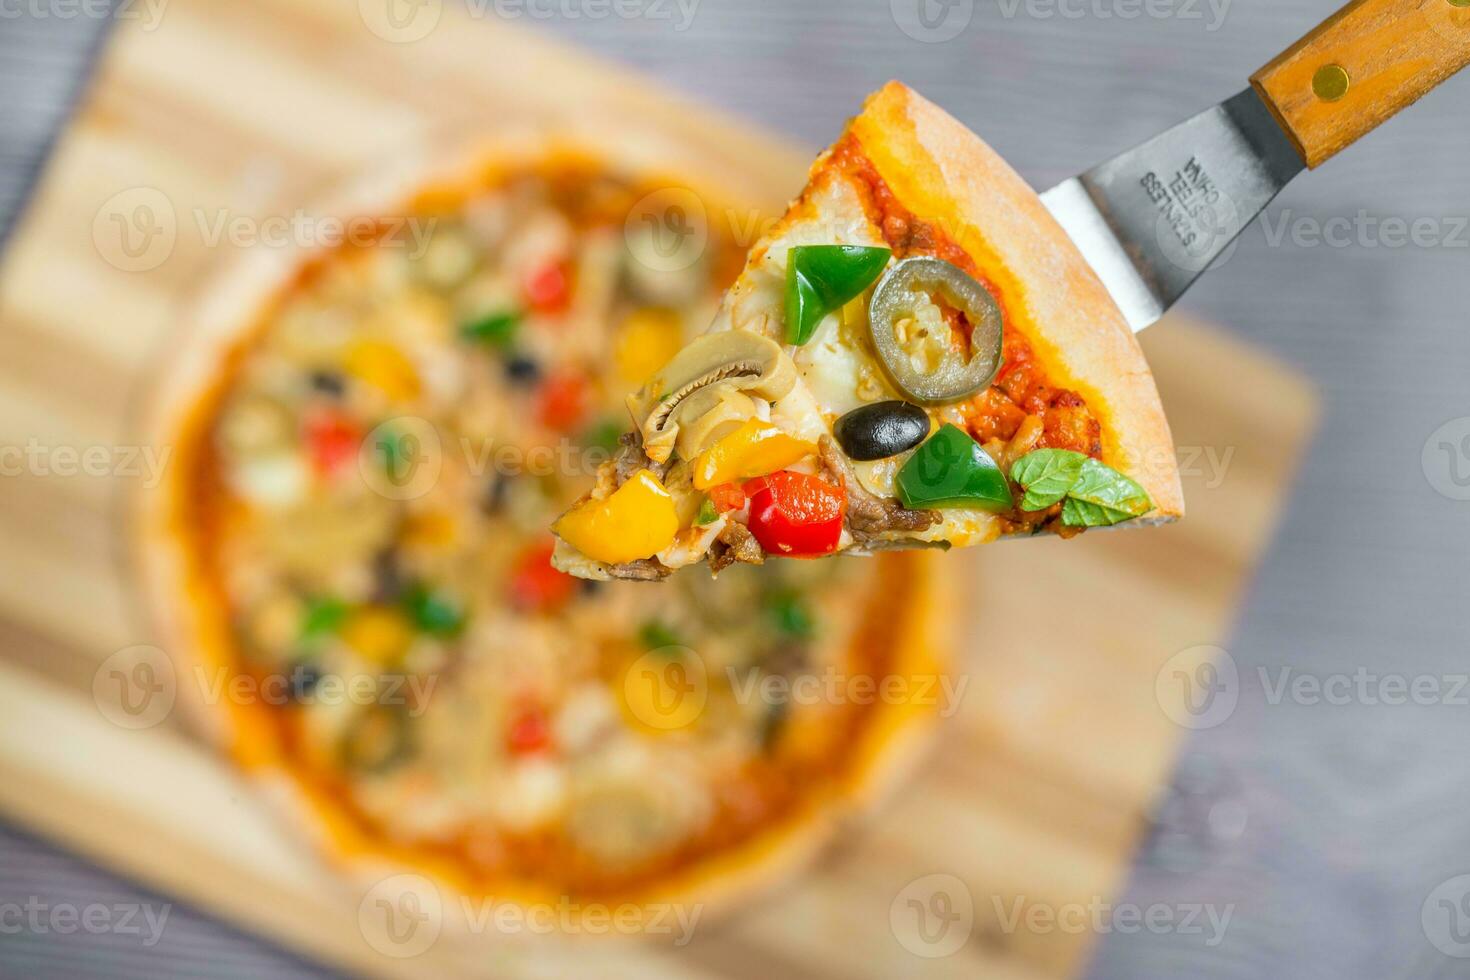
<point x="945" y="174"/>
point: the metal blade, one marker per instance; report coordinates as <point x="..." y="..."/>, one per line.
<point x="1149" y="221"/>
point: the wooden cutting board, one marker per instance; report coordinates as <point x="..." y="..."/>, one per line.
<point x="1042" y="786"/>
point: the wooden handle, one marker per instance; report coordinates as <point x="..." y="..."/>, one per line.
<point x="1368" y="61"/>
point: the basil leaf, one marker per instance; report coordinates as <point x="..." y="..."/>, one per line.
<point x="1103" y="496"/>
<point x="433" y="613"/>
<point x="496" y="329"/>
<point x="1047" y="475"/>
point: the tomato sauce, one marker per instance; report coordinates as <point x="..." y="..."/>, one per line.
<point x="1021" y="388"/>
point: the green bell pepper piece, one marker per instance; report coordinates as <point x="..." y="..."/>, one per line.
<point x="322" y="617"/>
<point x="822" y="278"/>
<point x="952" y="470"/>
<point x="496" y="329"/>
<point x="433" y="613"/>
<point x="657" y="635"/>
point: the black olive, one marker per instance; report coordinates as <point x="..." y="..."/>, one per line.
<point x="496" y="493"/>
<point x="522" y="369"/>
<point x="328" y="383"/>
<point x="774" y="723"/>
<point x="377" y="739"/>
<point x="881" y="429"/>
<point x="388" y="582"/>
<point x="304" y="677"/>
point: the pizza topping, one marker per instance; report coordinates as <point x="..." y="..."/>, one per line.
<point x="1046" y="475"/>
<point x="726" y="497"/>
<point x="952" y="470"/>
<point x="641" y="570"/>
<point x="561" y="401"/>
<point x="322" y="616"/>
<point x="795" y="514"/>
<point x="637" y="520"/>
<point x="630" y="458"/>
<point x="716" y="412"/>
<point x="535" y="586"/>
<point x="1091" y="494"/>
<point x="737" y="360"/>
<point x="496" y="329"/>
<point x="383" y="366"/>
<point x="432" y="612"/>
<point x="753" y="449"/>
<point x="547" y="287"/>
<point x="821" y="279"/>
<point x="379" y="635"/>
<point x="529" y="731"/>
<point x="377" y="739"/>
<point x="867" y="513"/>
<point x="648" y="339"/>
<point x="881" y="430"/>
<point x="522" y="370"/>
<point x="734" y="543"/>
<point x="936" y="329"/>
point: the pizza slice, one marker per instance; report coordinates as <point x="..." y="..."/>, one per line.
<point x="915" y="355"/>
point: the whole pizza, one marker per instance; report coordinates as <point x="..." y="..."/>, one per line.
<point x="352" y="556"/>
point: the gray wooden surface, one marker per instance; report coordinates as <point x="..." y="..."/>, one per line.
<point x="1331" y="827"/>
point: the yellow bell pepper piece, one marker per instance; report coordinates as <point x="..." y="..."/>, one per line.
<point x="384" y="367"/>
<point x="638" y="520"/>
<point x="754" y="449"/>
<point x="380" y="636"/>
<point x="430" y="529"/>
<point x="647" y="340"/>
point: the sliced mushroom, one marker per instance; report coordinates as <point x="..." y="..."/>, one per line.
<point x="738" y="360"/>
<point x="712" y="414"/>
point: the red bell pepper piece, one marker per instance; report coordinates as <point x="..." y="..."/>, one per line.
<point x="537" y="587"/>
<point x="529" y="731"/>
<point x="561" y="402"/>
<point x="332" y="440"/>
<point x="726" y="497"/>
<point x="548" y="287"/>
<point x="796" y="514"/>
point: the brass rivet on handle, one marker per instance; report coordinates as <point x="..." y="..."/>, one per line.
<point x="1331" y="82"/>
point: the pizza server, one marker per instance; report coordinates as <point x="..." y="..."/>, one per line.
<point x="1150" y="220"/>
